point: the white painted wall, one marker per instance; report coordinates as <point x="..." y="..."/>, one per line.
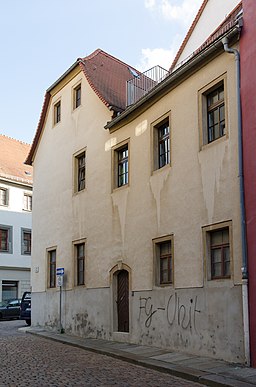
<point x="213" y="15"/>
<point x="15" y="266"/>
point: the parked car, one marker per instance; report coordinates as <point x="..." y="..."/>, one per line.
<point x="10" y="309"/>
<point x="25" y="308"/>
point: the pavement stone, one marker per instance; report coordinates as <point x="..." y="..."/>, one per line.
<point x="202" y="370"/>
<point x="35" y="361"/>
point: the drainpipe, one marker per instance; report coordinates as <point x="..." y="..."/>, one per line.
<point x="242" y="204"/>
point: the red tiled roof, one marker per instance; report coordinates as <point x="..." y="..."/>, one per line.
<point x="106" y="75"/>
<point x="221" y="29"/>
<point x="12" y="157"/>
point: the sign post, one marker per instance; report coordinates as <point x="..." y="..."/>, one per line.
<point x="60" y="275"/>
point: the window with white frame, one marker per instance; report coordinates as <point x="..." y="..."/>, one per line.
<point x="27" y="202"/>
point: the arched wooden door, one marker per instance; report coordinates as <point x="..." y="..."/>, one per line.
<point x="123" y="301"/>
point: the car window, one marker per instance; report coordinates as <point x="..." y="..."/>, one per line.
<point x="14" y="303"/>
<point x="3" y="303"/>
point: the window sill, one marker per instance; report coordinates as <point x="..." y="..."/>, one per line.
<point x="76" y="109"/>
<point x="163" y="286"/>
<point x="159" y="170"/>
<point x="116" y="189"/>
<point x="213" y="143"/>
<point x="56" y="124"/>
<point x="220" y="282"/>
<point x="75" y="193"/>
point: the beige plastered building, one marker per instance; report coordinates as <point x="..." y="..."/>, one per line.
<point x="140" y="206"/>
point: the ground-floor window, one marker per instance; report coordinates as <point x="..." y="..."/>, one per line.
<point x="9" y="290"/>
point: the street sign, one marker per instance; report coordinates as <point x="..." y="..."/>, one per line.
<point x="60" y="271"/>
<point x="59" y="280"/>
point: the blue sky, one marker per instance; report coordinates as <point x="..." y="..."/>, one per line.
<point x="40" y="39"/>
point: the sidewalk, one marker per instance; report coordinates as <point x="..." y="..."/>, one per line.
<point x="203" y="370"/>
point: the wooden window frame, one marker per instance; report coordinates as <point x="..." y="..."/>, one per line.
<point x="52" y="265"/>
<point x="7" y="231"/>
<point x="220" y="247"/>
<point x="213" y="108"/>
<point x="158" y="258"/>
<point x="204" y="111"/>
<point x="4" y="196"/>
<point x="24" y="250"/>
<point x="57" y="112"/>
<point x="27" y="202"/>
<point x="121" y="165"/>
<point x="79" y="171"/>
<point x="161" y="140"/>
<point x="78" y="279"/>
<point x="77" y="96"/>
<point x="208" y="249"/>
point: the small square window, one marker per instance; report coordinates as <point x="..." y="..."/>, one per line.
<point x="52" y="268"/>
<point x="79" y="171"/>
<point x="163" y="253"/>
<point x="77" y="96"/>
<point x="25" y="242"/>
<point x="161" y="143"/>
<point x="5" y="239"/>
<point x="57" y="112"/>
<point x="3" y="196"/>
<point x="218" y="251"/>
<point x="27" y="202"/>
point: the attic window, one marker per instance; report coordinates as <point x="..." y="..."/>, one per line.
<point x="57" y="112"/>
<point x="77" y="96"/>
<point x="28" y="173"/>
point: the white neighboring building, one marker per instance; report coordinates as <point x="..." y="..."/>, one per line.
<point x="210" y="16"/>
<point x="15" y="218"/>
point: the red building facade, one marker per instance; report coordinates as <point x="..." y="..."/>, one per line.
<point x="248" y="99"/>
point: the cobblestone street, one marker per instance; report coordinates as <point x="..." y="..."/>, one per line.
<point x="28" y="360"/>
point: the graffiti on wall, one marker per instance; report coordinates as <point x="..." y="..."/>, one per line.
<point x="176" y="311"/>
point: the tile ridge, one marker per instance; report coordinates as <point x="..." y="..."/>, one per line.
<point x="14" y="139"/>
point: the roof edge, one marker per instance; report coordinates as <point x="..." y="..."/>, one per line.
<point x="193" y="25"/>
<point x="180" y="71"/>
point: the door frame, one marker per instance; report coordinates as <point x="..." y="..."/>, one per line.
<point x="113" y="294"/>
